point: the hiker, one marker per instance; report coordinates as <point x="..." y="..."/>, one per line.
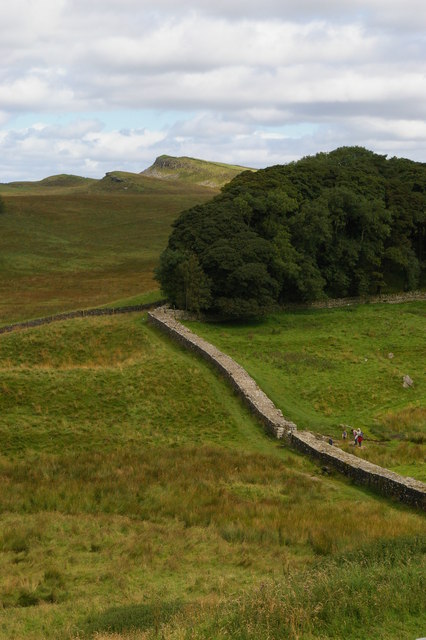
<point x="355" y="435"/>
<point x="344" y="434"/>
<point x="330" y="441"/>
<point x="360" y="437"/>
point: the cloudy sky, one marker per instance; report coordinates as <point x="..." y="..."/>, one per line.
<point x="89" y="86"/>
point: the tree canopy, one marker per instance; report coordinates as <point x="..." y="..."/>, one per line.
<point x="345" y="223"/>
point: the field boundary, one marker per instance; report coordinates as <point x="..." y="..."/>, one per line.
<point x="384" y="481"/>
<point x="334" y="303"/>
<point x="80" y="313"/>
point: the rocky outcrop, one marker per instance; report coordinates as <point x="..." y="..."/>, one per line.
<point x="360" y="471"/>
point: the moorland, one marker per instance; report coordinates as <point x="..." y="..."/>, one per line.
<point x="139" y="498"/>
<point x="70" y="243"/>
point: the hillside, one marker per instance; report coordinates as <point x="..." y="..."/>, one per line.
<point x="192" y="170"/>
<point x="125" y="181"/>
<point x="136" y="500"/>
<point x="69" y="242"/>
<point x="324" y="368"/>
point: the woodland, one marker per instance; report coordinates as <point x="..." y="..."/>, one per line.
<point x="345" y="223"/>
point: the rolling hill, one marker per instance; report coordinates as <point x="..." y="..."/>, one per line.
<point x="183" y="170"/>
<point x="67" y="241"/>
<point x="192" y="170"/>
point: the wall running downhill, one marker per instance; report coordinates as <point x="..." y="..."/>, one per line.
<point x="407" y="490"/>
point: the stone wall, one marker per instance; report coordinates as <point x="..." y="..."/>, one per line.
<point x="259" y="403"/>
<point x="360" y="471"/>
<point x="333" y="303"/>
<point x="81" y="313"/>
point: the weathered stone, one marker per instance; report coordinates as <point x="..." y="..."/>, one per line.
<point x="407" y="382"/>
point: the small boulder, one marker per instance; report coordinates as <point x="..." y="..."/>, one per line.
<point x="407" y="382"/>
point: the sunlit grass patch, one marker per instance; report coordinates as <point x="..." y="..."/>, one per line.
<point x="325" y="368"/>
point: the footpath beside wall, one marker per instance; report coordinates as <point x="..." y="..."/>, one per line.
<point x="382" y="480"/>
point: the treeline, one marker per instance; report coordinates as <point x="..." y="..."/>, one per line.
<point x="337" y="224"/>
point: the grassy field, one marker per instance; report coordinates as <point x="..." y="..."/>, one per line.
<point x="140" y="500"/>
<point x="325" y="368"/>
<point x="67" y="243"/>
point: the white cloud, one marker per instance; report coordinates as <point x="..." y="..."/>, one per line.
<point x="354" y="71"/>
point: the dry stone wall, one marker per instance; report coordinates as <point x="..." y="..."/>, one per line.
<point x="80" y="313"/>
<point x="244" y="385"/>
<point x="362" y="472"/>
<point x="333" y="303"/>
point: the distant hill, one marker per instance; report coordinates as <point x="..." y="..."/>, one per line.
<point x="62" y="182"/>
<point x="66" y="180"/>
<point x="181" y="171"/>
<point x="202" y="172"/>
<point x="119" y="181"/>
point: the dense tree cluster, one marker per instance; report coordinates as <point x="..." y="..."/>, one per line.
<point x="337" y="224"/>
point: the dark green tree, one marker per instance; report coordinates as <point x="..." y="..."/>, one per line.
<point x="343" y="223"/>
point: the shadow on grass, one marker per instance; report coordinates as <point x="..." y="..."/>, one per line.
<point x="139" y="617"/>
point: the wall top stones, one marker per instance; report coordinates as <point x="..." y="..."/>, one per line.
<point x="361" y="471"/>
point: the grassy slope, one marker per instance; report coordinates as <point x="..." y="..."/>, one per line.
<point x="137" y="490"/>
<point x="69" y="247"/>
<point x="192" y="170"/>
<point x="131" y="494"/>
<point x="324" y="368"/>
<point x="68" y="242"/>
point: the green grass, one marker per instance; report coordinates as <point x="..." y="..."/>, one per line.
<point x="139" y="498"/>
<point x="68" y="242"/>
<point x="77" y="249"/>
<point x="142" y="298"/>
<point x="325" y="368"/>
<point x="138" y="492"/>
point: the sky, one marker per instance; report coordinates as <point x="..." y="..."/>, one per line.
<point x="90" y="86"/>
